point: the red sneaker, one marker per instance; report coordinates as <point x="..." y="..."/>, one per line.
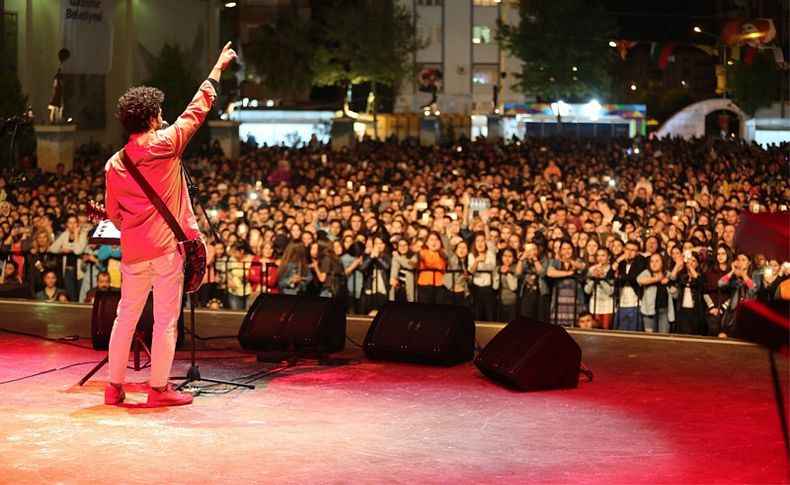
<point x="113" y="394"/>
<point x="168" y="397"/>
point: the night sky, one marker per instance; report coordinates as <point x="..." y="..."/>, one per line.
<point x="664" y="20"/>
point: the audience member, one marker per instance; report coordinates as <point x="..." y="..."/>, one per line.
<point x="579" y="216"/>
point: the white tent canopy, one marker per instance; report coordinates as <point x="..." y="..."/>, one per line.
<point x="690" y="121"/>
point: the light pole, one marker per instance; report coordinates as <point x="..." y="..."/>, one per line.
<point x="719" y="45"/>
<point x="501" y="61"/>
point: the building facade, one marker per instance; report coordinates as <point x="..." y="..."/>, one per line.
<point x="461" y="59"/>
<point x="135" y="33"/>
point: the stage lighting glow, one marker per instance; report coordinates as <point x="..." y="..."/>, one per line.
<point x="230" y="4"/>
<point x="561" y="108"/>
<point x="592" y="109"/>
<point x="612" y="43"/>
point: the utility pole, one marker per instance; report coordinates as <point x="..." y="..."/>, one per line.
<point x="2" y="28"/>
<point x="785" y="9"/>
<point x="500" y="103"/>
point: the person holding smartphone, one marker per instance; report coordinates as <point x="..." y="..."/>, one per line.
<point x="739" y="286"/>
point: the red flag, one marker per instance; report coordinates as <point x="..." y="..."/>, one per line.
<point x="748" y="56"/>
<point x="623" y="46"/>
<point x="660" y="53"/>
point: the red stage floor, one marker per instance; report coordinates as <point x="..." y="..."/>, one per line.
<point x="660" y="410"/>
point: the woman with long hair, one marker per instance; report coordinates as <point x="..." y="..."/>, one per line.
<point x="532" y="269"/>
<point x="590" y="251"/>
<point x="508" y="285"/>
<point x="482" y="266"/>
<point x="738" y="286"/>
<point x="402" y="271"/>
<point x="456" y="279"/>
<point x="656" y="305"/>
<point x="567" y="295"/>
<point x="713" y="295"/>
<point x="600" y="287"/>
<point x="687" y="275"/>
<point x="375" y="267"/>
<point x="431" y="266"/>
<point x="294" y="273"/>
<point x="263" y="271"/>
<point x="328" y="270"/>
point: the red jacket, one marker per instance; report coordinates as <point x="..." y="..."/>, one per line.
<point x="144" y="233"/>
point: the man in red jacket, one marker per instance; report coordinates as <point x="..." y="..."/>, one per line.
<point x="149" y="250"/>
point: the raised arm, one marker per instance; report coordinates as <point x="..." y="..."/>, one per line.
<point x="190" y="120"/>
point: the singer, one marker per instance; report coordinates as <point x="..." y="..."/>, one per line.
<point x="149" y="250"/>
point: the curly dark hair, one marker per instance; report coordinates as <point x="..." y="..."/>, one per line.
<point x="137" y="106"/>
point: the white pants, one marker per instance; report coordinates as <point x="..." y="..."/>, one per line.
<point x="166" y="275"/>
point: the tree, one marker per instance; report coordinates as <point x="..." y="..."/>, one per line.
<point x="281" y="52"/>
<point x="755" y="86"/>
<point x="669" y="102"/>
<point x="366" y="41"/>
<point x="13" y="105"/>
<point x="564" y="47"/>
<point x="172" y="75"/>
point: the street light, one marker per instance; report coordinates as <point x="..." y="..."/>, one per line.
<point x="724" y="61"/>
<point x="698" y="30"/>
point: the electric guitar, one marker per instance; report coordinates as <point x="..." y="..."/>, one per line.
<point x="194" y="250"/>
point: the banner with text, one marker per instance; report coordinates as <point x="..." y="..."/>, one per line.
<point x="88" y="27"/>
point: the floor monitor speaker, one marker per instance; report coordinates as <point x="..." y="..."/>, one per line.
<point x="294" y="323"/>
<point x="531" y="355"/>
<point x="105" y="308"/>
<point x="421" y="333"/>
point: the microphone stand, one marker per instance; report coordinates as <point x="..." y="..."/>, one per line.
<point x="13" y="124"/>
<point x="193" y="373"/>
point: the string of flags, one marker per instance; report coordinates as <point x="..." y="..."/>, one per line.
<point x="741" y="39"/>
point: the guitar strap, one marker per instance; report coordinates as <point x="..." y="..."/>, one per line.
<point x="154" y="197"/>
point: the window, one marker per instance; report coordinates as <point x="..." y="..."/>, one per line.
<point x="486" y="3"/>
<point x="430" y="34"/>
<point x="485" y="74"/>
<point x="481" y="34"/>
<point x="430" y="3"/>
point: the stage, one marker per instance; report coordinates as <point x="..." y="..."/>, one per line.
<point x="659" y="410"/>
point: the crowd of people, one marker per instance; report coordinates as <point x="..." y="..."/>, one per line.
<point x="591" y="232"/>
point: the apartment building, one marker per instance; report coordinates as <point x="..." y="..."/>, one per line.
<point x="461" y="57"/>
